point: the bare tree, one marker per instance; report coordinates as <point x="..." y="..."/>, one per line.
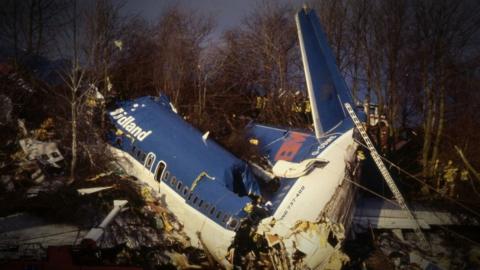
<point x="444" y="30"/>
<point x="178" y="35"/>
<point x="31" y="26"/>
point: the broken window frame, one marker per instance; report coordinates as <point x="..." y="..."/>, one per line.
<point x="233" y="223"/>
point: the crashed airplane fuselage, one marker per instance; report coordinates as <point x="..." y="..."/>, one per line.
<point x="213" y="193"/>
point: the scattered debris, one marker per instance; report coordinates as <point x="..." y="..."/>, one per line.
<point x="84" y="191"/>
<point x="97" y="232"/>
<point x="180" y="261"/>
<point x="46" y="153"/>
<point x="26" y="235"/>
<point x="7" y="183"/>
<point x="406" y="254"/>
<point x="5" y="110"/>
<point x="144" y="234"/>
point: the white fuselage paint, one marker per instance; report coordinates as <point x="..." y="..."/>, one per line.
<point x="214" y="237"/>
<point x="305" y="201"/>
<point x="307" y="198"/>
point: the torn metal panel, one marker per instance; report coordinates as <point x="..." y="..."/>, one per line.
<point x="97" y="232"/>
<point x="29" y="234"/>
<point x="380" y="214"/>
<point x="45" y="152"/>
<point x="287" y="169"/>
<point x="84" y="191"/>
<point x="213" y="193"/>
<point x="180" y="261"/>
<point x="307" y="244"/>
<point x="405" y="253"/>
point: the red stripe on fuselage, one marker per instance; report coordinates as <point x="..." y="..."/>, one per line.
<point x="291" y="146"/>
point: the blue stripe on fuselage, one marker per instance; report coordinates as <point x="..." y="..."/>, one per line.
<point x="182" y="148"/>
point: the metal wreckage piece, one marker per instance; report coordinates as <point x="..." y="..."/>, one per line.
<point x="204" y="197"/>
<point x="295" y="220"/>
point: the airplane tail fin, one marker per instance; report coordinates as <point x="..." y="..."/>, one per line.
<point x="326" y="87"/>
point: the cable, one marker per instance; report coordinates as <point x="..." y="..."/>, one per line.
<point x="426" y="184"/>
<point x="373" y="192"/>
<point x="396" y="204"/>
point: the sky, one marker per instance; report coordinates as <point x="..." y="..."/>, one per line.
<point x="228" y="13"/>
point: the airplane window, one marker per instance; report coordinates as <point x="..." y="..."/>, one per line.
<point x="225" y="218"/>
<point x="200" y="203"/>
<point x="219" y="214"/>
<point x="189" y="196"/>
<point x="173" y="181"/>
<point x="205" y="206"/>
<point x="166" y="176"/>
<point x="185" y="191"/>
<point x="160" y="168"/>
<point x="195" y="200"/>
<point x="212" y="210"/>
<point x="143" y="156"/>
<point x="150" y="160"/>
<point x="134" y="148"/>
<point x="179" y="185"/>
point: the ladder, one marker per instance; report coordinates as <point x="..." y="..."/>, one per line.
<point x="386" y="175"/>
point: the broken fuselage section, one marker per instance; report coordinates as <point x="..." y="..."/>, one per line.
<point x="297" y="216"/>
<point x="212" y="192"/>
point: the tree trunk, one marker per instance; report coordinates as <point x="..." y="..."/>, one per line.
<point x="73" y="162"/>
<point x="15" y="32"/>
<point x="428" y="119"/>
<point x="441" y="123"/>
<point x="40" y="28"/>
<point x="31" y="19"/>
<point x="73" y="101"/>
